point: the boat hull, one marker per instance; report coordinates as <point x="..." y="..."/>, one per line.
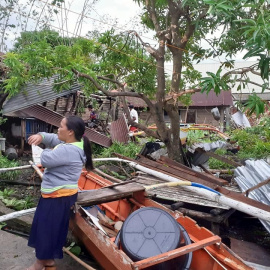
<point x="208" y="251"/>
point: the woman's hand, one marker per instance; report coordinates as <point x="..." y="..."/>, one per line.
<point x="35" y="139"/>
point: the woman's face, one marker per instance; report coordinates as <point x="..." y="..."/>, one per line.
<point x="63" y="132"/>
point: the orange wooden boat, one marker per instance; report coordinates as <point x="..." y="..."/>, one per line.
<point x="145" y="229"/>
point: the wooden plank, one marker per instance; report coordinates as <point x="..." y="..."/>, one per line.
<point x="100" y="246"/>
<point x="175" y="253"/>
<point x="221" y="158"/>
<point x="257" y="186"/>
<point x="184" y="169"/>
<point x="121" y="184"/>
<point x="229" y="193"/>
<point x="98" y="196"/>
<point x="174" y="172"/>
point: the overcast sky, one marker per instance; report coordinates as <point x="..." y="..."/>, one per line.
<point x="100" y="15"/>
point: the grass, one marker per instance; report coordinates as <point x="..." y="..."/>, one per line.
<point x="6" y="163"/>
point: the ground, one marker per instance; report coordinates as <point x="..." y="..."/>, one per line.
<point x="29" y="179"/>
<point x="14" y="252"/>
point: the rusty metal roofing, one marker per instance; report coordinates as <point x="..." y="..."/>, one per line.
<point x="119" y="130"/>
<point x="198" y="100"/>
<point x="53" y="118"/>
<point x="211" y="99"/>
<point x="244" y="96"/>
<point x="35" y="93"/>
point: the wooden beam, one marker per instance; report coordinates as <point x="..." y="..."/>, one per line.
<point x="103" y="195"/>
<point x="175" y="253"/>
<point x="216" y="156"/>
<point x="257" y="186"/>
<point x="23" y="133"/>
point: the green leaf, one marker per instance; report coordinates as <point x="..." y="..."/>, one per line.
<point x="76" y="250"/>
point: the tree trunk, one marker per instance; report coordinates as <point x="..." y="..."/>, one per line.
<point x="174" y="145"/>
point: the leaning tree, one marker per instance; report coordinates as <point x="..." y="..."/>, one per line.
<point x="185" y="31"/>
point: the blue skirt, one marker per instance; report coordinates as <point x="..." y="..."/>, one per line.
<point x="50" y="226"/>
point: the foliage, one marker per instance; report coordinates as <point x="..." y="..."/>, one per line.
<point x="43" y="54"/>
<point x="76" y="250"/>
<point x="96" y="149"/>
<point x="19" y="204"/>
<point x="6" y="193"/>
<point x="253" y="142"/>
<point x="2" y="225"/>
<point x="214" y="81"/>
<point x="197" y="136"/>
<point x="128" y="150"/>
<point x="217" y="164"/>
<point x="180" y="27"/>
<point x="2" y="121"/>
<point x="254" y="105"/>
<point x="9" y="201"/>
<point x="6" y="163"/>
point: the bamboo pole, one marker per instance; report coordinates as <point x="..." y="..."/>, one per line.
<point x="219" y="198"/>
<point x="36" y="169"/>
<point x="17" y="214"/>
<point x="15" y="168"/>
<point x="78" y="259"/>
<point x="107" y="176"/>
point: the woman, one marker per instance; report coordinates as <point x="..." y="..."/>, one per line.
<point x="59" y="188"/>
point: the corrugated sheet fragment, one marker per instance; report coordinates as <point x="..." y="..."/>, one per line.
<point x="119" y="130"/>
<point x="53" y="118"/>
<point x="36" y="93"/>
<point x="250" y="175"/>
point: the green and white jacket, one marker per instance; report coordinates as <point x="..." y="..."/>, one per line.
<point x="63" y="163"/>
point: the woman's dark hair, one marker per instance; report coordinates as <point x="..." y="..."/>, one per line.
<point x="76" y="124"/>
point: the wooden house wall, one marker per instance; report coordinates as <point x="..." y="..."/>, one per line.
<point x="202" y="115"/>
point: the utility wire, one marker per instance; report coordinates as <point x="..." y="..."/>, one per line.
<point x="119" y="28"/>
<point x="98" y="43"/>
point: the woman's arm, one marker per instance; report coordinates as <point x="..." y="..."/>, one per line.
<point x="49" y="139"/>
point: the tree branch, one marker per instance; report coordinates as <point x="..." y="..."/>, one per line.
<point x="114" y="94"/>
<point x="203" y="13"/>
<point x="111" y="80"/>
<point x="241" y="71"/>
<point x="150" y="6"/>
<point x="251" y="82"/>
<point x="189" y="32"/>
<point x="147" y="46"/>
<point x="174" y="96"/>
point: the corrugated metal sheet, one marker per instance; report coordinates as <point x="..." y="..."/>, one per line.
<point x="35" y="93"/>
<point x="53" y="118"/>
<point x="211" y="99"/>
<point x="137" y="102"/>
<point x="244" y="96"/>
<point x="177" y="194"/>
<point x="119" y="130"/>
<point x="248" y="176"/>
<point x="198" y="100"/>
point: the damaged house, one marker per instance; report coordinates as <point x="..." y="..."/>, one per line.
<point x="39" y="108"/>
